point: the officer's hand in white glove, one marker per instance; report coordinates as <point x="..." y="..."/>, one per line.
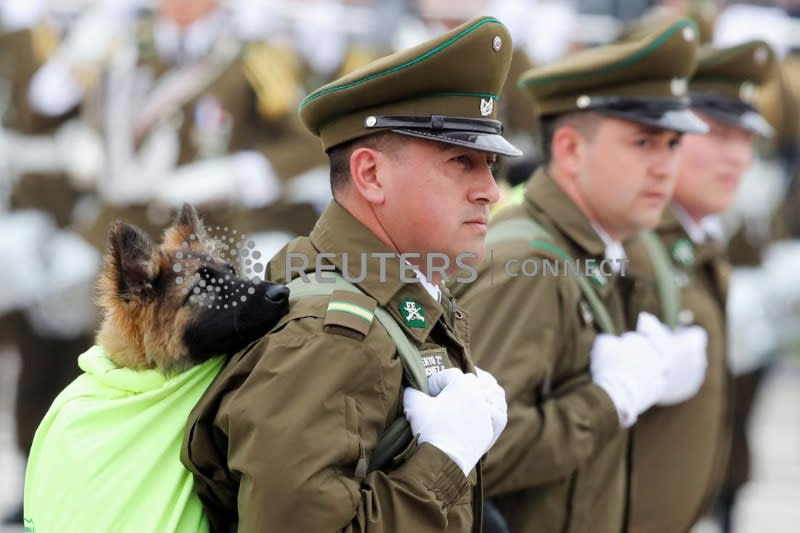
<point x="457" y="420"/>
<point x="493" y="393"/>
<point x="684" y="350"/>
<point x="631" y="371"/>
<point x="495" y="397"/>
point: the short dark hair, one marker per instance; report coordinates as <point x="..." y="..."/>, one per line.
<point x="585" y="122"/>
<point x="339" y="156"/>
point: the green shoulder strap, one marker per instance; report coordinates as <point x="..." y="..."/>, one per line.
<point x="668" y="292"/>
<point x="398" y="435"/>
<point x="527" y="229"/>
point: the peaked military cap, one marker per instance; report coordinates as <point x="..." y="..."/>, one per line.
<point x="445" y="90"/>
<point x="643" y="81"/>
<point x="726" y="83"/>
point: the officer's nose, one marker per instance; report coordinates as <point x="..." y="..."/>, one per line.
<point x="486" y="191"/>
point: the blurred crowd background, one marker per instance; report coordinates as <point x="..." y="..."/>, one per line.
<point x="124" y="109"/>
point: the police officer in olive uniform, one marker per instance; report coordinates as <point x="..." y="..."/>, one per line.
<point x="671" y="485"/>
<point x="611" y="118"/>
<point x="282" y="439"/>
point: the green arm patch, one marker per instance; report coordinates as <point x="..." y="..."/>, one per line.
<point x="350" y="310"/>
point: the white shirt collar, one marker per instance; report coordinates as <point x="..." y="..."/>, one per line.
<point x="615" y="252"/>
<point x="433" y="290"/>
<point x="192" y="42"/>
<point x="709" y="227"/>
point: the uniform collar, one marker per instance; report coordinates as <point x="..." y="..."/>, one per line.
<point x="614" y="252"/>
<point x="708" y="228"/>
<point x="547" y="196"/>
<point x="337" y="232"/>
<point x="673" y="228"/>
<point x="433" y="290"/>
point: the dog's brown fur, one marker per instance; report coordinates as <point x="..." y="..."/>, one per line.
<point x="147" y="312"/>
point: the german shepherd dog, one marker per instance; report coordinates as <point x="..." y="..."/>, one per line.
<point x="178" y="304"/>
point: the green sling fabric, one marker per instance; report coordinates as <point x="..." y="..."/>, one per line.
<point x="668" y="292"/>
<point x="106" y="456"/>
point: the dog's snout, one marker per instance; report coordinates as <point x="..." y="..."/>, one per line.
<point x="277" y="293"/>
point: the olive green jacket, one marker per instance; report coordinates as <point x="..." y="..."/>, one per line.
<point x="275" y="441"/>
<point x="560" y="463"/>
<point x="680" y="451"/>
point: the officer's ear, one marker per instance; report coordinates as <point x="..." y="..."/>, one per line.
<point x="568" y="147"/>
<point x="368" y="168"/>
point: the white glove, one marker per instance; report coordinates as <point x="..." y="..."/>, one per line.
<point x="457" y="420"/>
<point x="495" y="397"/>
<point x="631" y="371"/>
<point x="493" y="393"/>
<point x="684" y="351"/>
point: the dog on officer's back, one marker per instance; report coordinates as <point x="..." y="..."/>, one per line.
<point x="175" y="305"/>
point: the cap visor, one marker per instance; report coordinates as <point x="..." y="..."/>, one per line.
<point x="682" y="120"/>
<point x="748" y="120"/>
<point x="482" y="142"/>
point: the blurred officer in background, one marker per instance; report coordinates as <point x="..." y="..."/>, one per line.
<point x="575" y="380"/>
<point x="683" y="278"/>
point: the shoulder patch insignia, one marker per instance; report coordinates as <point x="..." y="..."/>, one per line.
<point x="413" y="313"/>
<point x="350" y="310"/>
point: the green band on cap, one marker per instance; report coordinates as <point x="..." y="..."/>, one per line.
<point x="314" y="96"/>
<point x="477" y="95"/>
<point x="615" y="66"/>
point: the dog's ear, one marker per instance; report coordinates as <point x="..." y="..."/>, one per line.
<point x="187" y="227"/>
<point x="130" y="261"/>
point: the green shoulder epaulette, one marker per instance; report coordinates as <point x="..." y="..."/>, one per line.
<point x="350" y="310"/>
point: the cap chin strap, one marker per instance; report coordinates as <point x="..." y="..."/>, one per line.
<point x="436" y="122"/>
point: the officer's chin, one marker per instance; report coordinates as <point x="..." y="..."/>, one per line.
<point x="645" y="221"/>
